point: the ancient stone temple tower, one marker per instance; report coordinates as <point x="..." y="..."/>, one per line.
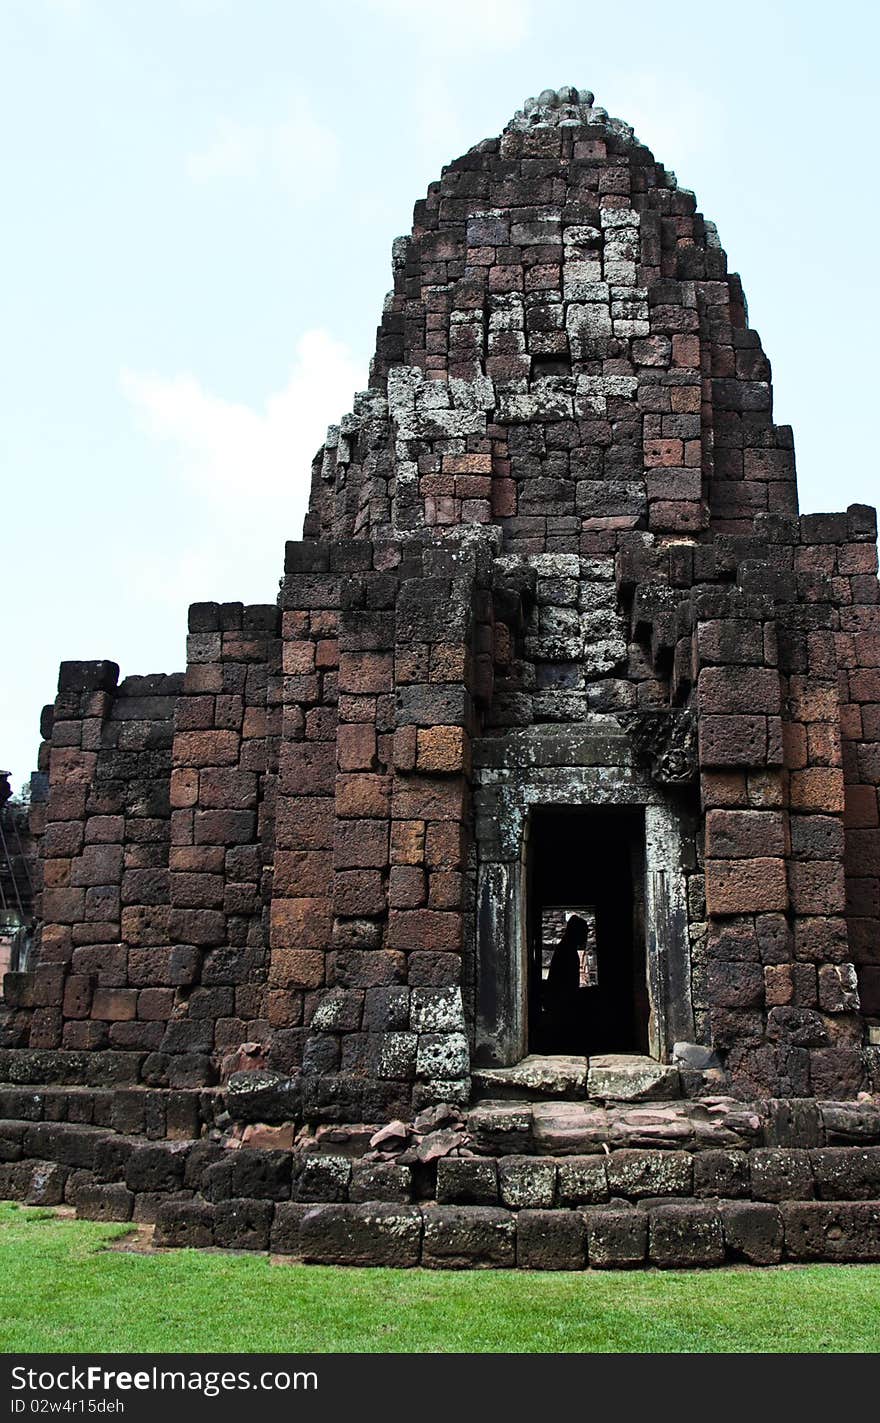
<point x="555" y="648"/>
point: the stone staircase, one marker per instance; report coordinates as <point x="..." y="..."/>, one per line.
<point x="574" y="1181"/>
<point x="613" y="1077"/>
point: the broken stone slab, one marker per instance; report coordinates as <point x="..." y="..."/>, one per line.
<point x="258" y="1135"/>
<point x="694" y="1056"/>
<point x="348" y="1139"/>
<point x="846" y="1122"/>
<point x="444" y="1114"/>
<point x="631" y="1129"/>
<point x="500" y="1128"/>
<point x="615" y="1077"/>
<point x="394" y="1134"/>
<point x="569" y="1128"/>
<point x="438" y="1144"/>
<point x="535" y="1077"/>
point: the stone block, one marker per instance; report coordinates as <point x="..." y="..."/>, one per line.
<point x="380" y="1181"/>
<point x="184" y="1225"/>
<point x="264" y="1175"/>
<point x="93" y="1201"/>
<point x="636" y="1174"/>
<point x="155" y="1168"/>
<point x="551" y="1240"/>
<point x="753" y="886"/>
<point x="376" y="1233"/>
<point x="780" y="1174"/>
<point x="721" y="1174"/>
<point x="617" y="1238"/>
<point x="684" y="1235"/>
<point x="468" y="1237"/>
<point x="527" y="1182"/>
<point x="242" y="1224"/>
<point x="581" y="1180"/>
<point x="321" y="1177"/>
<point x="47" y="1184"/>
<point x="753" y="1231"/>
<point x="847" y="1173"/>
<point x="467" y="1181"/>
<point x="840" y="1230"/>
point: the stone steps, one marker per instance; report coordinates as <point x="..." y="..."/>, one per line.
<point x="610" y="1077"/>
<point x="153" y="1112"/>
<point x="607" y="1206"/>
<point x="562" y="1127"/>
<point x="551" y="1184"/>
<point x="668" y="1235"/>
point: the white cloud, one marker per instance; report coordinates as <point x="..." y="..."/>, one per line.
<point x="460" y="26"/>
<point x="298" y="151"/>
<point x="238" y="477"/>
<point x="226" y="449"/>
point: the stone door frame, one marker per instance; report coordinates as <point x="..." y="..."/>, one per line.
<point x="504" y="800"/>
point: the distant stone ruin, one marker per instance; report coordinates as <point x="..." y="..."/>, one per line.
<point x="509" y="891"/>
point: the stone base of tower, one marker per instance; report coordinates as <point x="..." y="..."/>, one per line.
<point x="543" y="1184"/>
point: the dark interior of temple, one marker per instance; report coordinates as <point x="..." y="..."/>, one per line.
<point x="587" y="863"/>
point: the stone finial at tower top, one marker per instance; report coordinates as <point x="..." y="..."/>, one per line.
<point x="566" y="107"/>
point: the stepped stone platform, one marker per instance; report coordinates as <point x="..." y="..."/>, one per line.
<point x="539" y="1184"/>
<point x="619" y="1077"/>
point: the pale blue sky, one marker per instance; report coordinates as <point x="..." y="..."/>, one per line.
<point x="199" y="202"/>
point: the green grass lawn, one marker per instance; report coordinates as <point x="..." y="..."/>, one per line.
<point x="62" y="1290"/>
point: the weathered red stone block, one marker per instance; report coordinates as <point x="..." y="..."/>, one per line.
<point x="105" y="829"/>
<point x="363" y="796"/>
<point x="406" y="887"/>
<point x="63" y="839"/>
<point x="366" y="968"/>
<point x="821" y="939"/>
<point x="407" y="842"/>
<point x="78" y="990"/>
<point x="304" y="823"/>
<point x="302" y="873"/>
<point x="418" y="798"/>
<point x="413" y="929"/>
<point x="725" y="691"/>
<point x="224" y="827"/>
<point x="197" y="891"/>
<point x="731" y="641"/>
<point x="738" y="834"/>
<point x="356" y="748"/>
<point x="361" y="845"/>
<point x="155" y="1004"/>
<point x="184" y="787"/>
<point x="444" y="749"/>
<point x="733" y="740"/>
<point x="206" y="748"/>
<point x="296" y="968"/>
<point x="817" y="788"/>
<point x="357" y="892"/>
<point x="63" y="906"/>
<point x="746" y="886"/>
<point x="203" y="927"/>
<point x="303" y="923"/>
<point x="307" y="768"/>
<point x="227" y="790"/>
<point x="114" y="1005"/>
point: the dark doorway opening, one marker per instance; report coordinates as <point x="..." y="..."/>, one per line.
<point x="585" y="868"/>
